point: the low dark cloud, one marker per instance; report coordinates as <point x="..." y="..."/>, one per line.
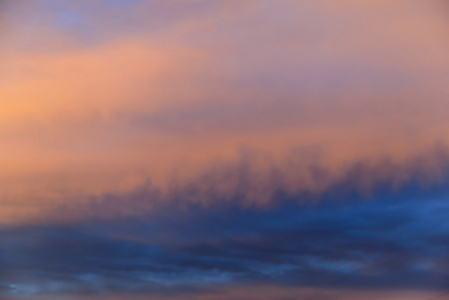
<point x="393" y="241"/>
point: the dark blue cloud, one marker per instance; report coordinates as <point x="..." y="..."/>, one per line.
<point x="395" y="240"/>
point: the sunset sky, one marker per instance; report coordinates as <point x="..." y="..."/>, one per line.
<point x="224" y="149"/>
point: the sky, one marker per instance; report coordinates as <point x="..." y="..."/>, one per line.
<point x="224" y="149"/>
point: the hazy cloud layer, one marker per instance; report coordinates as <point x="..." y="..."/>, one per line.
<point x="395" y="242"/>
<point x="103" y="97"/>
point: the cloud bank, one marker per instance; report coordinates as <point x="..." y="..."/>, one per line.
<point x="391" y="246"/>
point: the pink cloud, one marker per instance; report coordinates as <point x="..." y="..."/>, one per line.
<point x="358" y="81"/>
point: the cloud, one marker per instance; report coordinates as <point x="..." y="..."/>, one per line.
<point x="175" y="98"/>
<point x="394" y="243"/>
<point x="256" y="181"/>
<point x="270" y="150"/>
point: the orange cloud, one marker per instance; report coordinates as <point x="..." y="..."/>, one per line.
<point x="338" y="82"/>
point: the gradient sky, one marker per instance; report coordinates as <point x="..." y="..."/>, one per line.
<point x="224" y="149"/>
